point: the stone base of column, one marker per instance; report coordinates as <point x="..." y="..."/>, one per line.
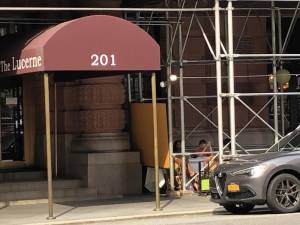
<point x="101" y="142"/>
<point x="113" y="174"/>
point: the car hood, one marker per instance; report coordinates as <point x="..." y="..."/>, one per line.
<point x="259" y="157"/>
<point x="246" y="161"/>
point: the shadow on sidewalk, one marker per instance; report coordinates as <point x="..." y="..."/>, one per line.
<point x="126" y="200"/>
<point x="65" y="212"/>
<point x="117" y="201"/>
<point x="167" y="203"/>
<point x="4" y="206"/>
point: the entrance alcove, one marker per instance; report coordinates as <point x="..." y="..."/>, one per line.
<point x="84" y="61"/>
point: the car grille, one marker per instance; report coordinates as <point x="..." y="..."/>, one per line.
<point x="243" y="194"/>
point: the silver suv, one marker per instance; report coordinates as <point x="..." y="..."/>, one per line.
<point x="273" y="178"/>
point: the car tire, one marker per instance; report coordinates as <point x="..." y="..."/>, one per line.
<point x="283" y="194"/>
<point x="239" y="208"/>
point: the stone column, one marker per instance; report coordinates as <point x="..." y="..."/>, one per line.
<point x="100" y="151"/>
<point x="99" y="119"/>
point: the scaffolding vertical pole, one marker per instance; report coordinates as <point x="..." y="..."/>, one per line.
<point x="182" y="122"/>
<point x="155" y="141"/>
<point x="219" y="79"/>
<point x="282" y="110"/>
<point x="140" y="87"/>
<point x="48" y="144"/>
<point x="129" y="87"/>
<point x="274" y="73"/>
<point x="231" y="78"/>
<point x="170" y="116"/>
<point x="280" y="64"/>
<point x="279" y="34"/>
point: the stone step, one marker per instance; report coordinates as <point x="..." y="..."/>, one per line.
<point x="22" y="175"/>
<point x="68" y="194"/>
<point x="38" y="185"/>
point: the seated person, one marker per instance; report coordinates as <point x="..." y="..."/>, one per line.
<point x="190" y="173"/>
<point x="204" y="149"/>
<point x="214" y="161"/>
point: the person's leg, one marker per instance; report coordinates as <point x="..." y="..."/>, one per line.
<point x="190" y="171"/>
<point x="196" y="186"/>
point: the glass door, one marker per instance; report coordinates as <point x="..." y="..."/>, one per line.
<point x="11" y="124"/>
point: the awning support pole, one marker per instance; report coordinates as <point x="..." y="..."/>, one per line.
<point x="48" y="145"/>
<point x="155" y="144"/>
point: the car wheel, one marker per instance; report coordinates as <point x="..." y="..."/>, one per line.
<point x="239" y="208"/>
<point x="283" y="195"/>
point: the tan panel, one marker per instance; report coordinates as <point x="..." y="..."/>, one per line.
<point x="142" y="133"/>
<point x="29" y="119"/>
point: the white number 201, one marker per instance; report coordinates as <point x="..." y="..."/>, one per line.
<point x="103" y="60"/>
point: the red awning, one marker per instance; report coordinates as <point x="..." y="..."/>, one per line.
<point x="92" y="43"/>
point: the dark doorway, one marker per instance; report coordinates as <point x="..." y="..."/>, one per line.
<point x="11" y="123"/>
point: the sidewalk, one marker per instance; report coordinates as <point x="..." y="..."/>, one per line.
<point x="106" y="210"/>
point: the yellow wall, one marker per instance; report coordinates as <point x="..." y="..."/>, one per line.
<point x="142" y="133"/>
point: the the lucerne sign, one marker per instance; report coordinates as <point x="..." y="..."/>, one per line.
<point x="15" y="64"/>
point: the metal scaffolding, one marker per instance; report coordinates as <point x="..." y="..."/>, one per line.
<point x="230" y="57"/>
<point x="223" y="55"/>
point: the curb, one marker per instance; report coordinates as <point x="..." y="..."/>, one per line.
<point x="121" y="218"/>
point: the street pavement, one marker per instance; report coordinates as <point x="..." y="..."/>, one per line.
<point x="261" y="216"/>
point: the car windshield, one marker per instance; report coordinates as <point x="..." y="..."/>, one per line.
<point x="290" y="142"/>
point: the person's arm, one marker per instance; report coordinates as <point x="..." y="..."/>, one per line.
<point x="208" y="149"/>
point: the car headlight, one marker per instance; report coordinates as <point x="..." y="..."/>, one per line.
<point x="255" y="171"/>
